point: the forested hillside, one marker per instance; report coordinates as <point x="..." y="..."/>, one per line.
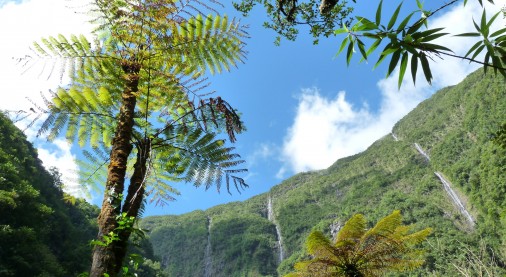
<point x="448" y="136"/>
<point x="40" y="233"/>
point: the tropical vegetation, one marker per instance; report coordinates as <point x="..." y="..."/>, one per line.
<point x="357" y="251"/>
<point x="137" y="99"/>
<point x="455" y="127"/>
<point x="41" y="233"/>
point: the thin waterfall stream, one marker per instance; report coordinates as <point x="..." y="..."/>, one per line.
<point x="208" y="262"/>
<point x="270" y="217"/>
<point x="455" y="198"/>
<point x="420" y="150"/>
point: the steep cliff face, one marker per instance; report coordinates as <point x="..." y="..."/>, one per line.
<point x="40" y="234"/>
<point x="453" y="131"/>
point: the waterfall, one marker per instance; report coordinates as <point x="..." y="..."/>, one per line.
<point x="455" y="198"/>
<point x="420" y="150"/>
<point x="395" y="137"/>
<point x="208" y="263"/>
<point x="270" y="217"/>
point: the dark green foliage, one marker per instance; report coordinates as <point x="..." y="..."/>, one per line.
<point x="285" y="16"/>
<point x="40" y="234"/>
<point x="455" y="127"/>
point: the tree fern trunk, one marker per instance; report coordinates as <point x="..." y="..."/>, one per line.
<point x="104" y="257"/>
<point x="133" y="201"/>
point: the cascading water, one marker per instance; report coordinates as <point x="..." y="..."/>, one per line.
<point x="208" y="262"/>
<point x="455" y="198"/>
<point x="270" y="217"/>
<point x="395" y="137"/>
<point x="420" y="150"/>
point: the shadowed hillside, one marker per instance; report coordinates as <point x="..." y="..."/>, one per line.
<point x="41" y="234"/>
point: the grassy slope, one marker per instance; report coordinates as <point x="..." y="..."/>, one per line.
<point x="453" y="127"/>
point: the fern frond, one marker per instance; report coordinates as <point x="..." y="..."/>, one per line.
<point x="73" y="54"/>
<point x="387" y="246"/>
<point x="82" y="114"/>
<point x="216" y="47"/>
<point x="200" y="158"/>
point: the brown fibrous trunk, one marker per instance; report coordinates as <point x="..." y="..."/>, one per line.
<point x="104" y="257"/>
<point x="135" y="196"/>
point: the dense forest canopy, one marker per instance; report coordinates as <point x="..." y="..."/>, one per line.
<point x="41" y="234"/>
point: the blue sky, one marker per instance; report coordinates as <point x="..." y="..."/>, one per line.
<point x="302" y="106"/>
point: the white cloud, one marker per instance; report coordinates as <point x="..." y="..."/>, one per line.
<point x="262" y="152"/>
<point x="20" y="25"/>
<point x="58" y="155"/>
<point x="325" y="130"/>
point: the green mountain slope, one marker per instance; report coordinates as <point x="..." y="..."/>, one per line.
<point x="40" y="234"/>
<point x="453" y="128"/>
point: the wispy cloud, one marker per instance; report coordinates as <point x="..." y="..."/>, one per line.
<point x="23" y="23"/>
<point x="325" y="130"/>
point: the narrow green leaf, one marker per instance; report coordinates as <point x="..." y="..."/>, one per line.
<point x="433" y="37"/>
<point x="496" y="62"/>
<point x="478" y="51"/>
<point x="378" y="13"/>
<point x="373" y="46"/>
<point x="493" y="19"/>
<point x="372" y="35"/>
<point x="468" y="35"/>
<point x="476" y="26"/>
<point x="426" y="33"/>
<point x="369" y="25"/>
<point x="361" y="48"/>
<point x="414" y="67"/>
<point x="386" y="51"/>
<point x="340" y="31"/>
<point x="402" y="70"/>
<point x="343" y="44"/>
<point x="349" y="53"/>
<point x="483" y="23"/>
<point x="404" y="22"/>
<point x="393" y="62"/>
<point x="490" y="48"/>
<point x="498" y="32"/>
<point x="426" y="68"/>
<point x="394" y="17"/>
<point x="431" y="46"/>
<point x="486" y="60"/>
<point x="410" y="49"/>
<point x="473" y="48"/>
<point x="415" y="27"/>
<point x="380" y="60"/>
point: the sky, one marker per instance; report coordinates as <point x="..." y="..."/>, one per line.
<point x="302" y="106"/>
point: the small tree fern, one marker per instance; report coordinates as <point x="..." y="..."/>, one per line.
<point x="388" y="246"/>
<point x="138" y="106"/>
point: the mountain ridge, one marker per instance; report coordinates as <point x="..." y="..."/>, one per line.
<point x="453" y="128"/>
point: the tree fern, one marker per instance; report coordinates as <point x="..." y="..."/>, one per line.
<point x="139" y="93"/>
<point x="388" y="246"/>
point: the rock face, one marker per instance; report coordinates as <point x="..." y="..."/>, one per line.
<point x="265" y="235"/>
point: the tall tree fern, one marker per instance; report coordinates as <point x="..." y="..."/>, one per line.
<point x="137" y="102"/>
<point x="388" y="246"/>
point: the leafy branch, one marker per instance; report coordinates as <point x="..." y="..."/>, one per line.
<point x="407" y="41"/>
